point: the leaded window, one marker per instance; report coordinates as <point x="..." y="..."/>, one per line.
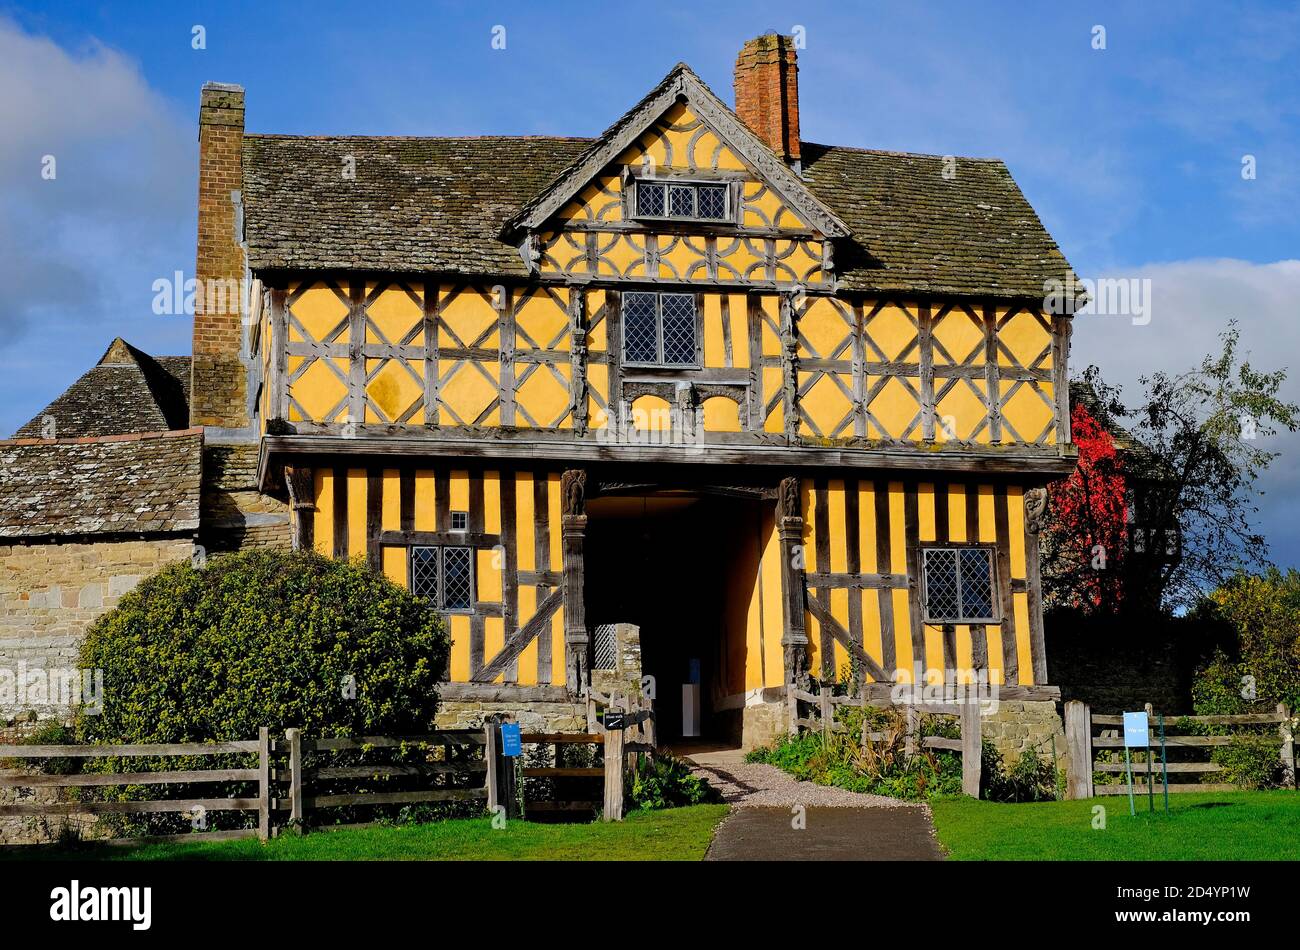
<point x="660" y="329"/>
<point x="958" y="585"/>
<point x="684" y="201"/>
<point x="444" y="576"/>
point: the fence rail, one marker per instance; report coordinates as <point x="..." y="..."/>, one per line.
<point x="297" y="776"/>
<point x="259" y="803"/>
<point x="1082" y="745"/>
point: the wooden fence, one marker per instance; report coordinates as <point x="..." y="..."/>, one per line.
<point x="260" y="776"/>
<point x="458" y="772"/>
<point x="297" y="777"/>
<point x="1091" y="753"/>
<point x="821" y="718"/>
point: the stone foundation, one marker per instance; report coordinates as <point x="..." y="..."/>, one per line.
<point x="763" y="723"/>
<point x="532" y="716"/>
<point x="1021" y="725"/>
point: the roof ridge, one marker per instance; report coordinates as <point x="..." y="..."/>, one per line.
<point x="421" y="138"/>
<point x="899" y="154"/>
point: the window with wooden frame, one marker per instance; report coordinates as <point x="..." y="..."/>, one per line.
<point x="443" y="576"/>
<point x="958" y="585"/>
<point x="661" y="329"/>
<point x="673" y="200"/>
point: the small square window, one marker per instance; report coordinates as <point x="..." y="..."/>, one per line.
<point x="444" y="577"/>
<point x="460" y="521"/>
<point x="712" y="200"/>
<point x="958" y="584"/>
<point x="650" y="200"/>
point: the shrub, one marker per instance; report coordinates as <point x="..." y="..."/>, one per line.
<point x="257" y="638"/>
<point x="263" y="638"/>
<point x="665" y="781"/>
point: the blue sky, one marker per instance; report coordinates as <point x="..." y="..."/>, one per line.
<point x="1132" y="154"/>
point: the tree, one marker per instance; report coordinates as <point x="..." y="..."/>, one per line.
<point x="1190" y="459"/>
<point x="1083" y="543"/>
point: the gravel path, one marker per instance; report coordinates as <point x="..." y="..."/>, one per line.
<point x="745" y="785"/>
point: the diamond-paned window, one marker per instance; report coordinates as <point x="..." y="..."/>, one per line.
<point x="604" y="644"/>
<point x="712" y="202"/>
<point x="681" y="200"/>
<point x="641" y="328"/>
<point x="650" y="200"/>
<point x="660" y="329"/>
<point x="444" y="576"/>
<point x="958" y="585"/>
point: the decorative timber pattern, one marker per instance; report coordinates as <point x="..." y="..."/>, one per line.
<point x="862" y="542"/>
<point x="352" y="357"/>
<point x="513" y="632"/>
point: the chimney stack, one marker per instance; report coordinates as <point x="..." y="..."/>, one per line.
<point x="218" y="390"/>
<point x="767" y="93"/>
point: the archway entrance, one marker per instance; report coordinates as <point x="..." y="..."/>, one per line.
<point x="684" y="568"/>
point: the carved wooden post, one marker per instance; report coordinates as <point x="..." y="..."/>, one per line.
<point x="790" y="365"/>
<point x="794" y="640"/>
<point x="573" y="485"/>
<point x="302" y="505"/>
<point x="1035" y="512"/>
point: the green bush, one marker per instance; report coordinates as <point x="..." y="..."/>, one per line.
<point x="257" y="638"/>
<point x="264" y="638"/>
<point x="665" y="781"/>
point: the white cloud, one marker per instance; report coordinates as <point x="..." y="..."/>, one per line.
<point x="1192" y="302"/>
<point x="124" y="165"/>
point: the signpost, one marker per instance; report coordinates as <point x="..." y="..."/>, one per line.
<point x="1136" y="735"/>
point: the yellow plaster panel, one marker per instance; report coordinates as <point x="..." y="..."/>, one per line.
<point x="323" y="520"/>
<point x="470" y="318"/>
<point x="319" y="311"/>
<point x="721" y="414"/>
<point x="425" y="501"/>
<point x="395" y="314"/>
<point x="356" y="512"/>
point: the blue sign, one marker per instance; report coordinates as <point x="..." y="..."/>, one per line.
<point x="1136" y="732"/>
<point x="511" y="744"/>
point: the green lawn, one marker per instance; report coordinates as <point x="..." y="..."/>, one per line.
<point x="675" y="834"/>
<point x="1226" y="826"/>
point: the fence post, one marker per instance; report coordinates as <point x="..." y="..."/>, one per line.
<point x="1078" y="744"/>
<point x="263" y="782"/>
<point x="828" y="712"/>
<point x="294" y="738"/>
<point x="491" y="757"/>
<point x="971" y="748"/>
<point x="792" y="705"/>
<point x="1288" y="745"/>
<point x="613" y="810"/>
<point x="913" y="727"/>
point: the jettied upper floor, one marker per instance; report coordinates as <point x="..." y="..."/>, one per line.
<point x="689" y="285"/>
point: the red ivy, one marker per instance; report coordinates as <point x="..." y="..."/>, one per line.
<point x="1089" y="511"/>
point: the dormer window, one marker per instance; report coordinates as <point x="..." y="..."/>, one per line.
<point x="682" y="200"/>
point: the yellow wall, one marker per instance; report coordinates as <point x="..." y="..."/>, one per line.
<point x="945" y="512"/>
<point x="531" y="541"/>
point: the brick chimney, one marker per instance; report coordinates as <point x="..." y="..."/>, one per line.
<point x="767" y="93"/>
<point x="218" y="379"/>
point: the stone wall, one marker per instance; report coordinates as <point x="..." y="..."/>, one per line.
<point x="1019" y="726"/>
<point x="532" y="716"/>
<point x="50" y="594"/>
<point x="234" y="513"/>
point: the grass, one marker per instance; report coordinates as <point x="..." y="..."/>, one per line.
<point x="1224" y="826"/>
<point x="674" y="834"/>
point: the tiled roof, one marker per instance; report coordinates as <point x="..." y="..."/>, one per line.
<point x="439" y="204"/>
<point x="132" y="484"/>
<point x="416" y="204"/>
<point x="126" y="391"/>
